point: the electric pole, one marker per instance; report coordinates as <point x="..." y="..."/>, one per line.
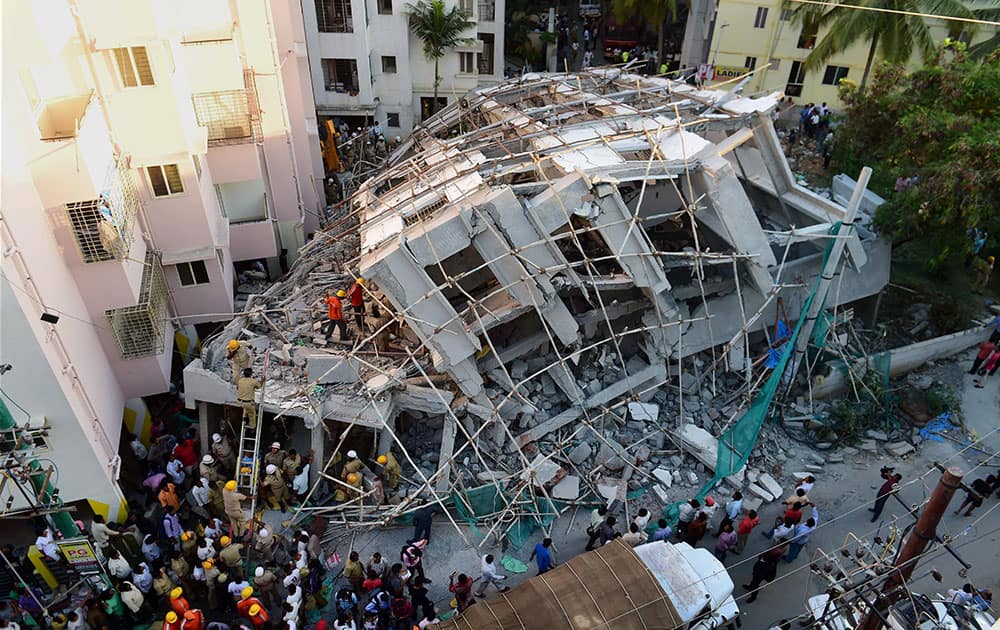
<point x="923" y="533"/>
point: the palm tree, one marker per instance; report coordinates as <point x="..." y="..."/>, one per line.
<point x="440" y="31"/>
<point x="893" y="36"/>
<point x="654" y="11"/>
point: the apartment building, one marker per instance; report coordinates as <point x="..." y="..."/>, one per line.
<point x="366" y="65"/>
<point x="747" y="34"/>
<point x="148" y="147"/>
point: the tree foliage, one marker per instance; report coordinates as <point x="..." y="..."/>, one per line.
<point x="440" y="30"/>
<point x="940" y="124"/>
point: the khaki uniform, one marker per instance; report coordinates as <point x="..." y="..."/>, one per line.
<point x="210" y="472"/>
<point x="230" y="557"/>
<point x="216" y="504"/>
<point x="277" y="487"/>
<point x="266" y="586"/>
<point x="234" y="509"/>
<point x="223" y="451"/>
<point x="211" y="584"/>
<point x="353" y="466"/>
<point x="290" y="464"/>
<point x="240" y="359"/>
<point x="391" y="471"/>
<point x="190" y="549"/>
<point x="246" y="387"/>
<point x="276" y="458"/>
<point x="264" y="545"/>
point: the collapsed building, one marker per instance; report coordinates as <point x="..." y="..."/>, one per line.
<point x="561" y="272"/>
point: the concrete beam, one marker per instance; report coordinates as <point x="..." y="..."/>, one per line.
<point x="443" y="481"/>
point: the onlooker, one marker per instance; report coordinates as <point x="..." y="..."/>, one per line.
<point x="541" y="555"/>
<point x="726" y="542"/>
<point x="746" y="526"/>
<point x="490" y="576"/>
<point x="890" y="486"/>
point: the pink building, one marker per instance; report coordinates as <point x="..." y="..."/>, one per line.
<point x="148" y="146"/>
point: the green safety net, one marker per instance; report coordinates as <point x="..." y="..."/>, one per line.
<point x="736" y="443"/>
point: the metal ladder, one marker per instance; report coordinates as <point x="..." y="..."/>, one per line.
<point x="248" y="460"/>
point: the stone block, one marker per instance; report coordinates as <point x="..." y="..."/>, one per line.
<point x="869" y="446"/>
<point x="645" y="412"/>
<point x="899" y="449"/>
<point x="751" y="503"/>
<point x="876" y="435"/>
<point x="702" y="444"/>
<point x="664" y="476"/>
<point x="768" y="482"/>
<point x="332" y="368"/>
<point x="692" y="477"/>
<point x="763" y="494"/>
<point x="568" y="488"/>
<point x="661" y="493"/>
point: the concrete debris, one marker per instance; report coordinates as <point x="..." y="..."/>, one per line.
<point x="767" y="482"/>
<point x="899" y="449"/>
<point x="568" y="489"/>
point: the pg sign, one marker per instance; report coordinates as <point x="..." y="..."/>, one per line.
<point x="80" y="555"/>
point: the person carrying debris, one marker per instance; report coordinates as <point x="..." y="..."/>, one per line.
<point x="234" y="507"/>
<point x="239" y="356"/>
<point x="357" y="295"/>
<point x="335" y="313"/>
<point x="390" y="469"/>
<point x="246" y="389"/>
<point x="276" y="487"/>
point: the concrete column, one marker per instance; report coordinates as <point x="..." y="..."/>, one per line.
<point x="385" y="440"/>
<point x="203" y="431"/>
<point x="317" y="442"/>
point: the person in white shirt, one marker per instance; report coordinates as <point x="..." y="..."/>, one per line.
<point x="150" y="550"/>
<point x="138" y="448"/>
<point x="642" y="518"/>
<point x="205" y="550"/>
<point x="142" y="577"/>
<point x="300" y="483"/>
<point x="118" y="566"/>
<point x="635" y="536"/>
<point x="214" y="529"/>
<point x="47" y="545"/>
<point x="961" y="597"/>
<point x="131" y="596"/>
<point x="101" y="532"/>
<point x="489" y="576"/>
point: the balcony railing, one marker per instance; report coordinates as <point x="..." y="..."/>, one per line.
<point x="103" y="226"/>
<point x="487" y="10"/>
<point x="229" y="115"/>
<point x="139" y="329"/>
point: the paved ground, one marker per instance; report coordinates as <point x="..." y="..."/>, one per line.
<point x="843" y="493"/>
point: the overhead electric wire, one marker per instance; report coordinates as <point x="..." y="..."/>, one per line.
<point x="935" y="16"/>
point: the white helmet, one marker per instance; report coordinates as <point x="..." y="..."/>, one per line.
<point x="271" y="469"/>
<point x="352" y="454"/>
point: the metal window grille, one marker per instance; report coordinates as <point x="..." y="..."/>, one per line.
<point x="103" y="227"/>
<point x="487" y="10"/>
<point x="133" y="66"/>
<point x="334" y="16"/>
<point x="424" y="213"/>
<point x="138" y="329"/>
<point x="485" y="58"/>
<point x="227" y="116"/>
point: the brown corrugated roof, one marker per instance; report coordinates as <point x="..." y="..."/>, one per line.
<point x="608" y="588"/>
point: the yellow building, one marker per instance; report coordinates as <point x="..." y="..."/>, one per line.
<point x="747" y="34"/>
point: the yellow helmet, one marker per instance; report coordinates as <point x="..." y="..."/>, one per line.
<point x="186" y="536"/>
<point x="341" y="293"/>
<point x="360" y="280"/>
<point x="225" y="540"/>
<point x="230" y="485"/>
<point x="171" y="617"/>
<point x="990" y="259"/>
<point x="382" y="459"/>
<point x="233" y="344"/>
<point x="208" y="564"/>
<point x="177" y="592"/>
<point x="352" y="478"/>
<point x="246" y="592"/>
<point x="254" y="610"/>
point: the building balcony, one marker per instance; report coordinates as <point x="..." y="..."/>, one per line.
<point x="139" y="330"/>
<point x="229" y="116"/>
<point x="250" y="240"/>
<point x="71" y="160"/>
<point x="103" y="226"/>
<point x="147" y="20"/>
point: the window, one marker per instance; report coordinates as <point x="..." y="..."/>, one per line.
<point x="197" y="166"/>
<point x="465" y="6"/>
<point x="750" y="63"/>
<point x="761" y="19"/>
<point x="487" y="10"/>
<point x="192" y="273"/>
<point x="165" y="180"/>
<point x="392" y="119"/>
<point x="388" y="64"/>
<point x="334" y="16"/>
<point x="426" y="103"/>
<point x="340" y="75"/>
<point x="486" y="57"/>
<point x="133" y="66"/>
<point x="834" y="74"/>
<point x="796" y="77"/>
<point x="807" y="37"/>
<point x="465" y="61"/>
<point x="385" y="7"/>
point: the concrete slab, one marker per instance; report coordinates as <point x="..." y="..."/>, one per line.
<point x="768" y="482"/>
<point x="664" y="476"/>
<point x="702" y="444"/>
<point x="332" y="368"/>
<point x="761" y="493"/>
<point x="541" y="470"/>
<point x="647" y="412"/>
<point x="899" y="449"/>
<point x="568" y="488"/>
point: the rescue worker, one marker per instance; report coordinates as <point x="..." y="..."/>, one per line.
<point x="353" y="465"/>
<point x="194" y="619"/>
<point x="258" y="616"/>
<point x="357" y="295"/>
<point x="264" y="543"/>
<point x="276" y="455"/>
<point x="171" y="621"/>
<point x="178" y="603"/>
<point x="239" y="356"/>
<point x="265" y="581"/>
<point x="335" y="312"/>
<point x="216" y="502"/>
<point x="208" y="469"/>
<point x="246" y="390"/>
<point x="223" y="451"/>
<point x="234" y="509"/>
<point x="276" y="486"/>
<point x="247" y="601"/>
<point x="212" y="574"/>
<point x="230" y="556"/>
<point x="390" y="469"/>
<point x="290" y="464"/>
<point x="189" y="545"/>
